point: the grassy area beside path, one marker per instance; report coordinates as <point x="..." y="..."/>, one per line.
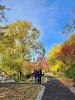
<point x="19" y="91"/>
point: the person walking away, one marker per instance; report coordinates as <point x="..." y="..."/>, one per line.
<point x="35" y="74"/>
<point x="39" y="76"/>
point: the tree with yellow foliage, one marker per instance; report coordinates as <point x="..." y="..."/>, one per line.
<point x="55" y="64"/>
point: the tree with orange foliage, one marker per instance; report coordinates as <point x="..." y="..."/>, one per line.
<point x="67" y="56"/>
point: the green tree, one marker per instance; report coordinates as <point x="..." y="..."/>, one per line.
<point x="19" y="41"/>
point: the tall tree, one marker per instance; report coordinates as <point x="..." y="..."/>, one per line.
<point x="20" y="39"/>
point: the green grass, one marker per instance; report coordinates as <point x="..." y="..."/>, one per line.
<point x="32" y="80"/>
<point x="59" y="76"/>
<point x="43" y="79"/>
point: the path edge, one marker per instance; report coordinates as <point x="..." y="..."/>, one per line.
<point x="39" y="97"/>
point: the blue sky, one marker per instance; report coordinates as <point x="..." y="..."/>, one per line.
<point x="48" y="15"/>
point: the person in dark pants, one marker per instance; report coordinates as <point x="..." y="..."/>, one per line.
<point x="39" y="75"/>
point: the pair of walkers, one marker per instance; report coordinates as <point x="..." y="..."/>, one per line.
<point x="37" y="75"/>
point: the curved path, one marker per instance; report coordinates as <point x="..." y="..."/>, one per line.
<point x="55" y="90"/>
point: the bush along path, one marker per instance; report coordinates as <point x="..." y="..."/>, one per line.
<point x="55" y="90"/>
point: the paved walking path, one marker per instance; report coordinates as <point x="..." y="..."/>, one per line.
<point x="55" y="90"/>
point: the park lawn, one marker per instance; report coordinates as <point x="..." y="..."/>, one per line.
<point x="44" y="79"/>
<point x="19" y="91"/>
<point x="56" y="75"/>
<point x="31" y="80"/>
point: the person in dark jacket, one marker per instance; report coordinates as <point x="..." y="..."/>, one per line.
<point x="39" y="75"/>
<point x="35" y="74"/>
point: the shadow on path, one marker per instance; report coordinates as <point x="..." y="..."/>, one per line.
<point x="55" y="90"/>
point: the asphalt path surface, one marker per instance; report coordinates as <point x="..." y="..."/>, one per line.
<point x="55" y="90"/>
